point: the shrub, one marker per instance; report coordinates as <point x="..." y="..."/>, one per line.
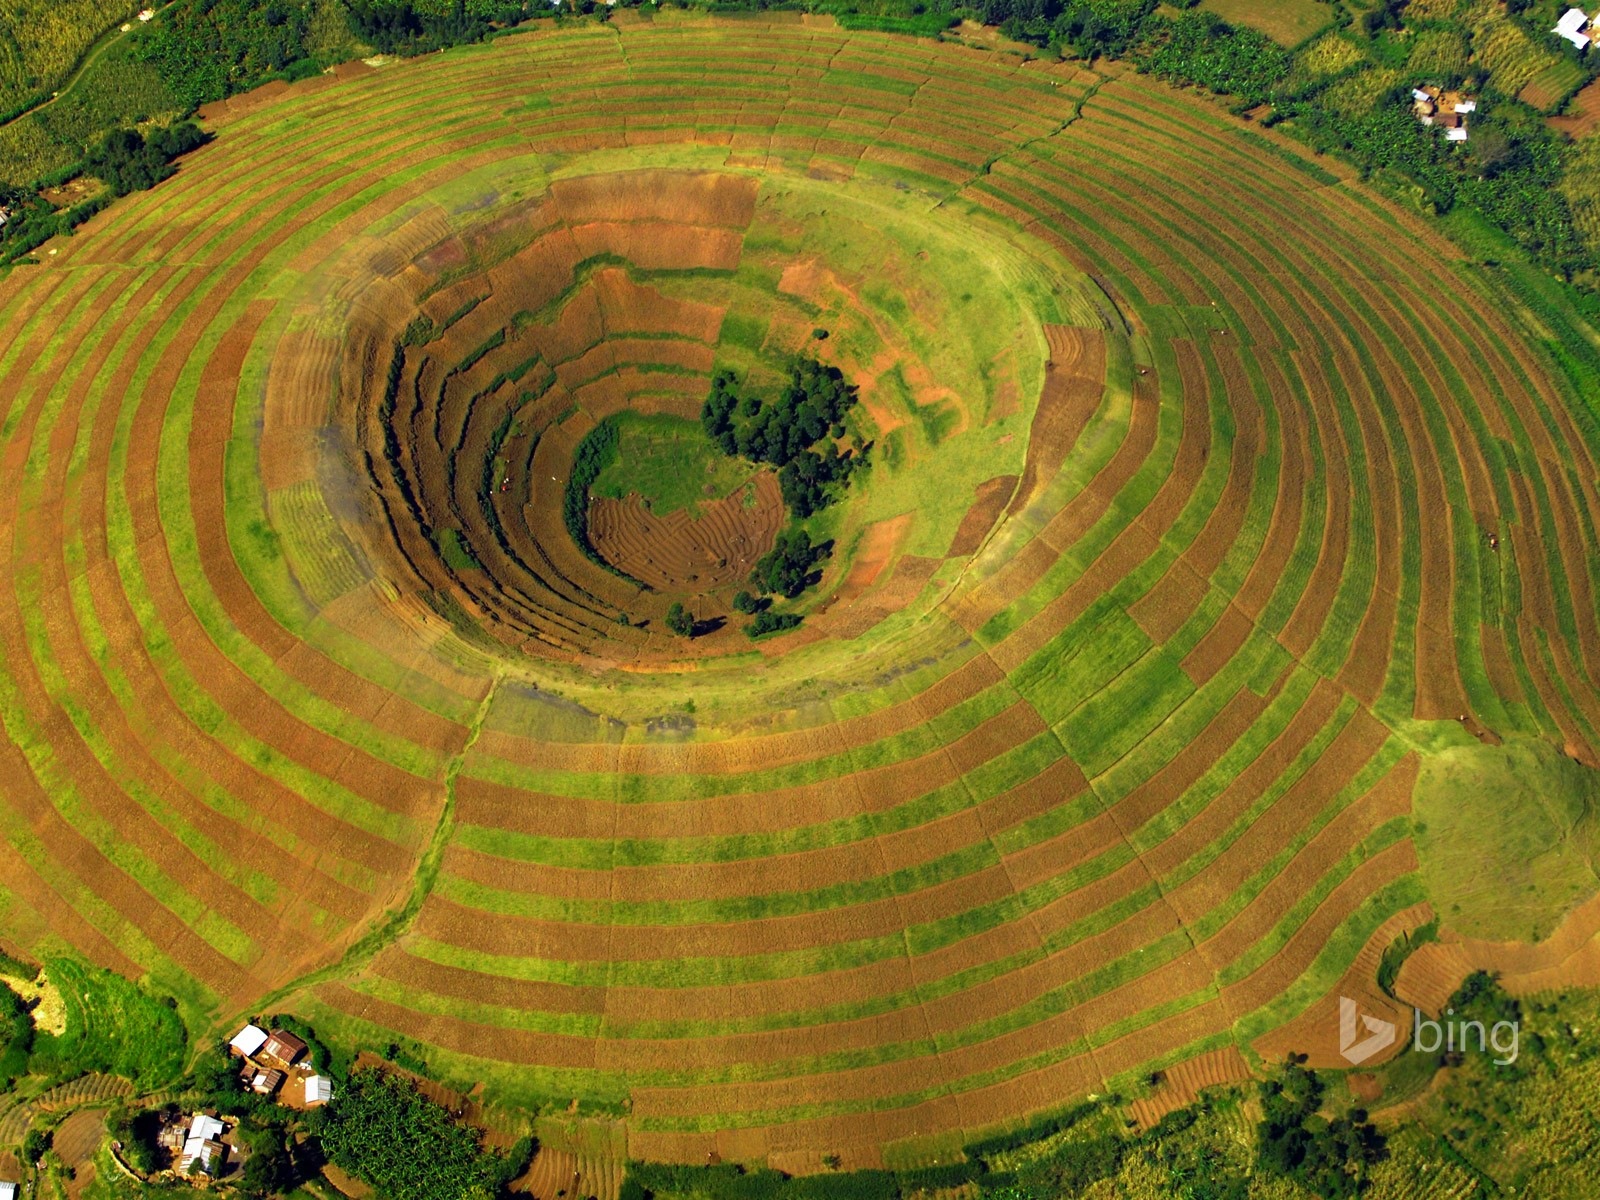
<point x="784" y="432"/>
<point x="34" y="1144"/>
<point x="16" y="1037"/>
<point x="770" y="622"/>
<point x="129" y="161"/>
<point x="136" y="1132"/>
<point x="679" y="620"/>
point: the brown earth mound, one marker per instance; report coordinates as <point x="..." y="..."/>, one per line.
<point x="685" y="554"/>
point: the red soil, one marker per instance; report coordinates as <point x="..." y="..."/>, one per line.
<point x="992" y="498"/>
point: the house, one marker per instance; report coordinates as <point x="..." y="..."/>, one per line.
<point x="211" y="1155"/>
<point x="319" y="1090"/>
<point x="248" y="1040"/>
<point x="8" y="1190"/>
<point x="1435" y="106"/>
<point x="203" y="1144"/>
<point x="266" y="1082"/>
<point x="284" y="1047"/>
<point x="1573" y="26"/>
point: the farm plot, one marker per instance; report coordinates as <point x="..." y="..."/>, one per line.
<point x="1205" y="512"/>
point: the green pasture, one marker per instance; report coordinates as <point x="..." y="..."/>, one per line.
<point x="1507" y="837"/>
<point x="669" y="463"/>
<point x="113" y="1026"/>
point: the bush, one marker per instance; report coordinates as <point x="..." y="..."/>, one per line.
<point x="784" y="432"/>
<point x="679" y="620"/>
<point x="771" y="622"/>
<point x="16" y="1037"/>
<point x="136" y="1132"/>
<point x="34" y="1144"/>
<point x="1328" y="1158"/>
<point x="1200" y="48"/>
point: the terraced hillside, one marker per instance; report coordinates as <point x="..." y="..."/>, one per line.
<point x="1210" y="495"/>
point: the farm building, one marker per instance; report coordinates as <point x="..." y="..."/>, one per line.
<point x="203" y="1145"/>
<point x="1448" y="110"/>
<point x="266" y="1082"/>
<point x="284" y="1047"/>
<point x="1574" y="26"/>
<point x="8" y="1190"/>
<point x="248" y="1040"/>
<point x="319" y="1090"/>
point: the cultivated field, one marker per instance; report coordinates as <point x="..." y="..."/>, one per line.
<point x="1211" y="499"/>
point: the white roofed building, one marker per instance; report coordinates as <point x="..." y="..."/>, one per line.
<point x="203" y="1145"/>
<point x="248" y="1040"/>
<point x="8" y="1190"/>
<point x="319" y="1090"/>
<point x="1573" y="26"/>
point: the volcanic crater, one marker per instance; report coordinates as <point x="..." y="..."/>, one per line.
<point x="478" y="355"/>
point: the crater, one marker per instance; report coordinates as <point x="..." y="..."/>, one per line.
<point x="479" y="348"/>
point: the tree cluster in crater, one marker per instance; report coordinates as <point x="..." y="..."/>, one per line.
<point x="798" y="432"/>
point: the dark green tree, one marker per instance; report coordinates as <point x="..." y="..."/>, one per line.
<point x="679" y="620"/>
<point x="790" y="566"/>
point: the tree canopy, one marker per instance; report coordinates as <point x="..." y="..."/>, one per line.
<point x="381" y="1129"/>
<point x="787" y="431"/>
<point x="129" y="161"/>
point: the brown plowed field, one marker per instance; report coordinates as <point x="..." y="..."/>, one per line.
<point x="681" y="553"/>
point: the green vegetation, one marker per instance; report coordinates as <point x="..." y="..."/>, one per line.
<point x="456" y="553"/>
<point x="596" y="452"/>
<point x="810" y="411"/>
<point x="1349" y="93"/>
<point x="43" y="39"/>
<point x="1124" y="700"/>
<point x="130" y="161"/>
<point x="16" y="1037"/>
<point x="113" y="1026"/>
<point x="136" y="1129"/>
<point x="125" y="160"/>
<point x="1507" y="836"/>
<point x="679" y="621"/>
<point x="1329" y="1158"/>
<point x="381" y="1129"/>
<point x="789" y="568"/>
<point x="770" y="622"/>
<point x="668" y="463"/>
<point x="1396" y="953"/>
